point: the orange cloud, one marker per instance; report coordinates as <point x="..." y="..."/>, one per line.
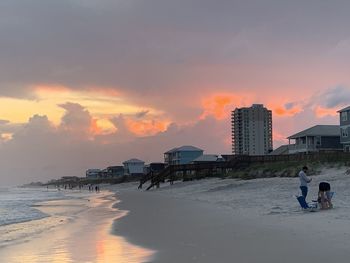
<point x="94" y="128"/>
<point x="146" y="127"/>
<point x="102" y="102"/>
<point x="46" y="89"/>
<point x="102" y="127"/>
<point x="322" y="112"/>
<point x="219" y="105"/>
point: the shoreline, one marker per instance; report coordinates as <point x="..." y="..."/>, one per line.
<point x="210" y="220"/>
<point x="84" y="237"/>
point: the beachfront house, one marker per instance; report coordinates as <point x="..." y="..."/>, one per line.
<point x="92" y="173"/>
<point x="115" y="171"/>
<point x="134" y="167"/>
<point x="205" y="158"/>
<point x="344" y="116"/>
<point x="182" y="155"/>
<point x="103" y="174"/>
<point x="314" y="139"/>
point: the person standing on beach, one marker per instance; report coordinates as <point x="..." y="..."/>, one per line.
<point x="304" y="180"/>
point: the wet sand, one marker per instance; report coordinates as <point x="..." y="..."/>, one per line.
<point x="84" y="237"/>
<point x="184" y="230"/>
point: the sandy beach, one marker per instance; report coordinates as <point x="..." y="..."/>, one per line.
<point x="230" y="220"/>
<point x="210" y="220"/>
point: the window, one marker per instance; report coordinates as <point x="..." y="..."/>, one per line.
<point x="344" y="116"/>
<point x="344" y="132"/>
<point x="318" y="140"/>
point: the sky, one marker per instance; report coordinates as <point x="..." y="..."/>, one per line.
<point x="89" y="84"/>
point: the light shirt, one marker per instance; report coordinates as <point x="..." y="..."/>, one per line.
<point x="304" y="180"/>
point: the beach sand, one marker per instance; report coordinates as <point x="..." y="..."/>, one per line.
<point x="211" y="220"/>
<point x="230" y="220"/>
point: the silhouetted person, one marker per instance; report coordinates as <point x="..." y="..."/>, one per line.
<point x="140" y="185"/>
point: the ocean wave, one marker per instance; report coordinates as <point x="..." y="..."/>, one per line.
<point x="28" y="212"/>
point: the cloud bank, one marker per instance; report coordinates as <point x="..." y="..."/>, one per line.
<point x="92" y="83"/>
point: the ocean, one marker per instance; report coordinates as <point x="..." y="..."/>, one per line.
<point x="21" y="216"/>
<point x="50" y="225"/>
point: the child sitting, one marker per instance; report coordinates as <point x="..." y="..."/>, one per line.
<point x="324" y="195"/>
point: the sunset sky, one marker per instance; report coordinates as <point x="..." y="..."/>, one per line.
<point x="88" y="84"/>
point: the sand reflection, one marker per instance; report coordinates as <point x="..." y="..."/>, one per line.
<point x="116" y="249"/>
<point x="86" y="239"/>
<point x="108" y="248"/>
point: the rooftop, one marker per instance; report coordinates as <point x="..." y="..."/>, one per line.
<point x="207" y="158"/>
<point x="134" y="161"/>
<point x="345" y="109"/>
<point x="318" y="130"/>
<point x="185" y="148"/>
<point x="280" y="150"/>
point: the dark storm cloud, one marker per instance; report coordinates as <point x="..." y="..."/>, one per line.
<point x="148" y="46"/>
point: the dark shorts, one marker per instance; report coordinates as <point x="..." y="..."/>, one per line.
<point x="324" y="187"/>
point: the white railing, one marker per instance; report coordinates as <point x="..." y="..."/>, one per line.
<point x="294" y="148"/>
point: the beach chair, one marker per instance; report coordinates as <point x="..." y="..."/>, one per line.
<point x="306" y="206"/>
<point x="330" y="195"/>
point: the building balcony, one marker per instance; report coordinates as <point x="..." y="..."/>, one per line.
<point x="298" y="148"/>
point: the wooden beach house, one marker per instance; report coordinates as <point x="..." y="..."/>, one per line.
<point x="182" y="155"/>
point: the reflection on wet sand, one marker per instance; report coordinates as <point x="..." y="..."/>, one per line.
<point x="85" y="239"/>
<point x="116" y="248"/>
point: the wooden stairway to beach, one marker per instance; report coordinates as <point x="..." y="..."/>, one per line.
<point x="194" y="170"/>
<point x="188" y="169"/>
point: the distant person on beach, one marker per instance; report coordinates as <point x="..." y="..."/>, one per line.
<point x="324" y="195"/>
<point x="304" y="180"/>
<point x="141" y="183"/>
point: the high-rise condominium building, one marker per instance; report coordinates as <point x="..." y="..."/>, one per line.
<point x="252" y="130"/>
